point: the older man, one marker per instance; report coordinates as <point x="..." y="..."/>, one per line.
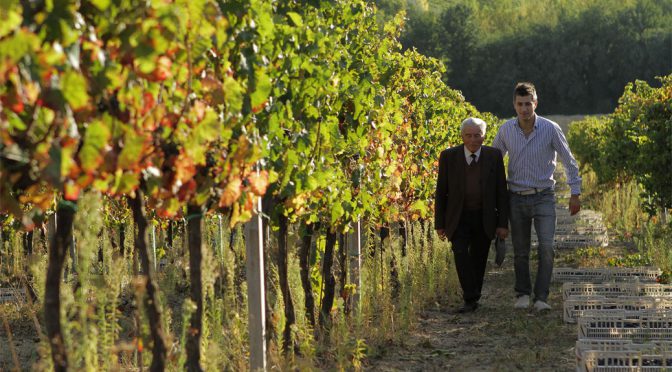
<point x="533" y="143"/>
<point x="471" y="206"/>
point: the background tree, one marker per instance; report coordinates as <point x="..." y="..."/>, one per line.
<point x="634" y="142"/>
<point x="579" y="54"/>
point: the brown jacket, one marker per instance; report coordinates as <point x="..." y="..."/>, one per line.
<point x="449" y="197"/>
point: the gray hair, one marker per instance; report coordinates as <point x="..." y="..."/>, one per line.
<point x="474" y="122"/>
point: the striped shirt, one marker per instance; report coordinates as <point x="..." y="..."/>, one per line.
<point x="532" y="160"/>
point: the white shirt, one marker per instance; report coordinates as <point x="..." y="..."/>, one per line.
<point x="467" y="154"/>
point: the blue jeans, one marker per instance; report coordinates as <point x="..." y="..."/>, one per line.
<point x="540" y="210"/>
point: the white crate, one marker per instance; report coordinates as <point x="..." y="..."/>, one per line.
<point x="638" y="326"/>
<point x="577" y="306"/>
<point x="571" y="227"/>
<point x="575" y="241"/>
<point x="584" y="229"/>
<point x="626" y="360"/>
<point x="642" y="274"/>
<point x="585" y="215"/>
<point x="621" y="314"/>
<point x="568" y="274"/>
<point x="606" y="274"/>
<point x="593" y="347"/>
<point x="655" y="290"/>
<point x="586" y="344"/>
<point x="567" y="241"/>
<point x="615" y="289"/>
<point x="570" y="289"/>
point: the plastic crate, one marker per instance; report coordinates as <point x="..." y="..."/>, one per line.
<point x="596" y="229"/>
<point x="576" y="240"/>
<point x="638" y="326"/>
<point x="587" y="347"/>
<point x="583" y="218"/>
<point x="583" y="229"/>
<point x="570" y="289"/>
<point x="615" y="289"/>
<point x="642" y="274"/>
<point x="621" y="314"/>
<point x="577" y="306"/>
<point x="571" y="227"/>
<point x="568" y="274"/>
<point x="655" y="290"/>
<point x="625" y="360"/>
<point x="606" y="274"/>
<point x="567" y="241"/>
<point x="586" y="344"/>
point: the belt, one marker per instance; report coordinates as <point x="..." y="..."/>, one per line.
<point x="529" y="191"/>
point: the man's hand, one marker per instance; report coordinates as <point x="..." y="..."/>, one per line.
<point x="502" y="233"/>
<point x="441" y="233"/>
<point x="574" y="205"/>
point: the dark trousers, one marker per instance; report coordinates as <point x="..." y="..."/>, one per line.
<point x="470" y="249"/>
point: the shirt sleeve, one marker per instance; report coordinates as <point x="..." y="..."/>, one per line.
<point x="571" y="166"/>
<point x="499" y="143"/>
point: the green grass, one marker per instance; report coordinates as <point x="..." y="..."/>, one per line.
<point x="105" y="323"/>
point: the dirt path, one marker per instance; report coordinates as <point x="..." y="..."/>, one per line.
<point x="496" y="337"/>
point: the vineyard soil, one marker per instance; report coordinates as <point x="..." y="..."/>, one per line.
<point x="496" y="337"/>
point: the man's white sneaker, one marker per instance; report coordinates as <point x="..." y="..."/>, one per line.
<point x="523" y="302"/>
<point x="541" y="305"/>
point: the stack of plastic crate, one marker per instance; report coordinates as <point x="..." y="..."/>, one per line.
<point x="637" y="274"/>
<point x="606" y="274"/>
<point x="622" y="355"/>
<point x="624" y="318"/>
<point x="615" y="289"/>
<point x="581" y="230"/>
<point x="624" y="341"/>
<point x="577" y="306"/>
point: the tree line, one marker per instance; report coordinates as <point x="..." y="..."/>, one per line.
<point x="632" y="143"/>
<point x="580" y="55"/>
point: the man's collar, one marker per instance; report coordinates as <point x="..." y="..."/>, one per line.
<point x="534" y="123"/>
<point x="468" y="153"/>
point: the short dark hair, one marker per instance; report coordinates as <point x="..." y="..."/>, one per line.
<point x="525" y="89"/>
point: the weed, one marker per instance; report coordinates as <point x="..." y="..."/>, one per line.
<point x="101" y="310"/>
<point x="622" y="209"/>
<point x="587" y="257"/>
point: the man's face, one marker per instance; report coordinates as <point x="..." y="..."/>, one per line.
<point x="472" y="138"/>
<point x="525" y="106"/>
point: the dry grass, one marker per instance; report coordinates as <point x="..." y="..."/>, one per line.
<point x="496" y="337"/>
